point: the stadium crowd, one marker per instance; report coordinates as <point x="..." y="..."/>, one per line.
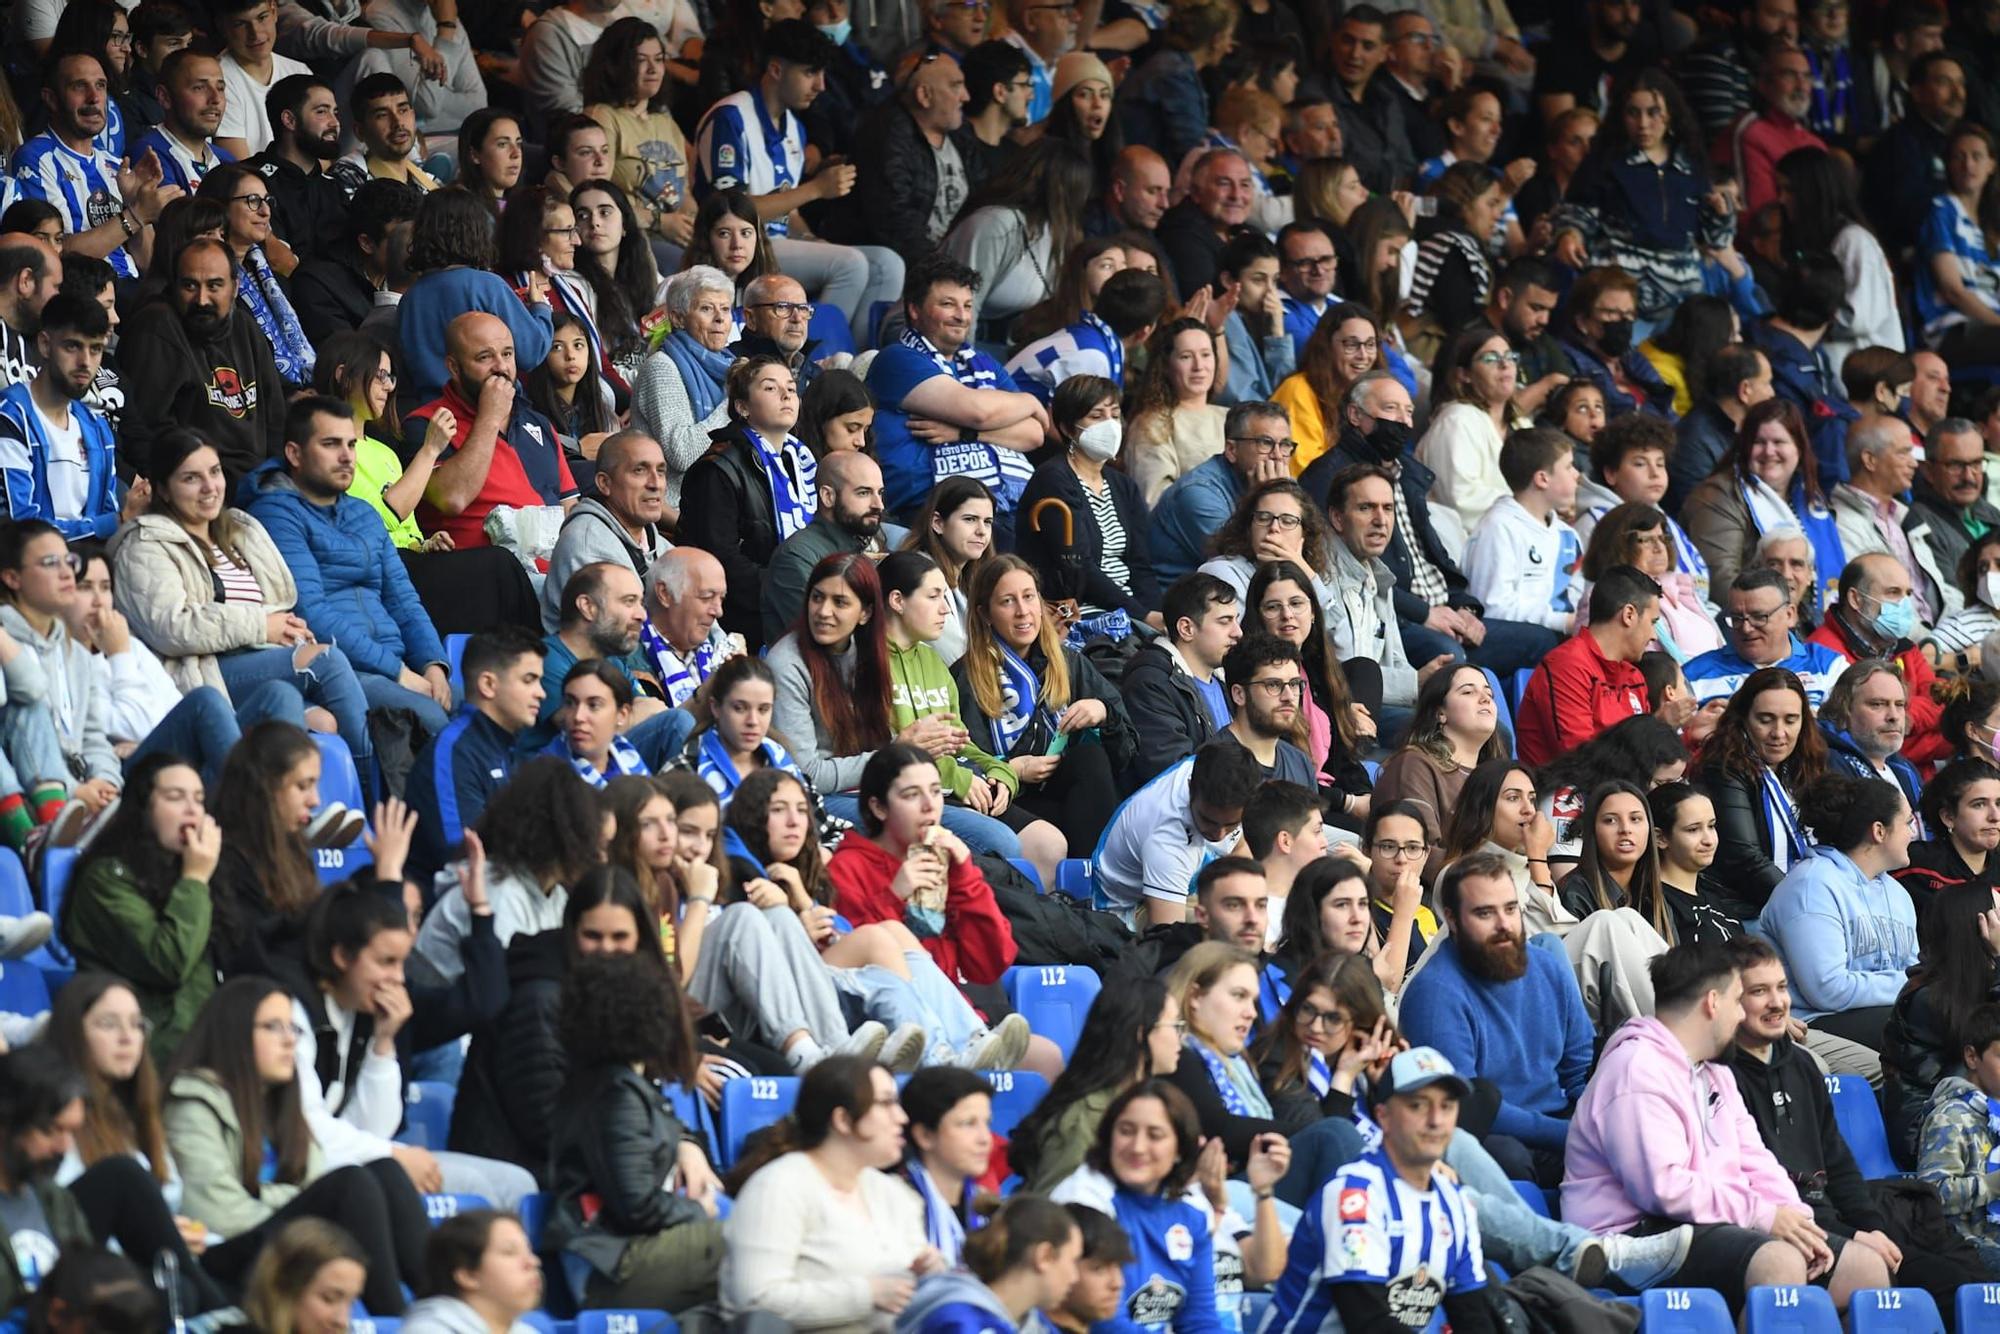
<point x="1187" y="666"/>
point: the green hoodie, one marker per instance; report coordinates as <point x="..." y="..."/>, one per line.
<point x="921" y="685"/>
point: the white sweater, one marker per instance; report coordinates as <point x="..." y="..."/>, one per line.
<point x="801" y="1253"/>
<point x="365" y="1131"/>
<point x="1463" y="448"/>
<point x="1524" y="568"/>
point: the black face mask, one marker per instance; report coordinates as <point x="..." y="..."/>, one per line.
<point x="1616" y="340"/>
<point x="1386" y="439"/>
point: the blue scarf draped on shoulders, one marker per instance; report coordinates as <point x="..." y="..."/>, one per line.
<point x="702" y="371"/>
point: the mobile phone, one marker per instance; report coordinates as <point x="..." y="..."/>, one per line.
<point x="1057" y="744"/>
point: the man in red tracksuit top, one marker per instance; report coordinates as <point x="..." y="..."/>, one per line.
<point x="1591" y="681"/>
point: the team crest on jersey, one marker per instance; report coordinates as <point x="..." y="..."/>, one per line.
<point x="1157" y="1302"/>
<point x="1353" y="1204"/>
<point x="533" y="432"/>
<point x="1180" y="1243"/>
<point x="226" y="390"/>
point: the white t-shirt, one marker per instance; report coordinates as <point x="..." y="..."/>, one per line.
<point x="243" y="114"/>
<point x="69" y="474"/>
<point x="1151" y="849"/>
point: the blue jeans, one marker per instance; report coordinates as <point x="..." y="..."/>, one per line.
<point x="327" y="681"/>
<point x="1509" y="1230"/>
<point x="928" y="999"/>
<point x="30" y="751"/>
<point x="1509" y="646"/>
<point x="382" y="693"/>
<point x="982" y="833"/>
<point x="202" y="728"/>
<point x="662" y="737"/>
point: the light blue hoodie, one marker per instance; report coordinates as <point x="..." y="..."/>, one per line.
<point x="1847" y="941"/>
<point x="956" y="1302"/>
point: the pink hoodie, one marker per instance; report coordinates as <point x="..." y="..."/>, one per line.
<point x="1642" y="1144"/>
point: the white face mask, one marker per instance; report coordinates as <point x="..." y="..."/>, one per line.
<point x="1989" y="589"/>
<point x="1099" y="441"/>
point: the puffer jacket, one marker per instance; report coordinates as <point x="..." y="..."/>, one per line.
<point x="726" y="509"/>
<point x="1168" y="713"/>
<point x="166" y="590"/>
<point x="617" y="1140"/>
<point x="352" y="586"/>
<point x="514" y="1072"/>
<point x="207" y="1143"/>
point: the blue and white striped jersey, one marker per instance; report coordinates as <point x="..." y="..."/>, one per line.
<point x="738" y="147"/>
<point x="82" y="187"/>
<point x="1368" y="1225"/>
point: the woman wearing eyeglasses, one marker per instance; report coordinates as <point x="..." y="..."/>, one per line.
<point x="1275" y="521"/>
<point x="1346" y="344"/>
<point x="236" y="1125"/>
<point x="1478" y="372"/>
<point x="1401" y="847"/>
<point x="260" y="260"/>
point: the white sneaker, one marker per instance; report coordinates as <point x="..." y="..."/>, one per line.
<point x="67" y="826"/>
<point x="1001" y="1048"/>
<point x="904" y="1051"/>
<point x="334" y="827"/>
<point x="1640" y="1262"/>
<point x="22" y="936"/>
<point x="865" y="1042"/>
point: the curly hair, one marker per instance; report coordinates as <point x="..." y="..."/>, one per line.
<point x="1233" y="538"/>
<point x="1155" y="390"/>
<point x="1612" y="144"/>
<point x="1730" y="751"/>
<point x="546" y="822"/>
<point x="453" y="228"/>
<point x="622" y="1009"/>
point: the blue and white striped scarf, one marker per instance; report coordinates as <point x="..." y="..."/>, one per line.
<point x="623" y="760"/>
<point x="1240" y="1097"/>
<point x="713" y="766"/>
<point x="272" y="309"/>
<point x="680" y="677"/>
<point x="1020" y="695"/>
<point x="793" y="475"/>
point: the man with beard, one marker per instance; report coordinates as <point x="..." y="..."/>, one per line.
<point x="620" y="523"/>
<point x="192" y="92"/>
<point x="1503" y="1012"/>
<point x="1786" y="1096"/>
<point x="1256" y="447"/>
<point x="1866" y="719"/>
<point x="1760" y="138"/>
<point x="1266" y="684"/>
<point x="353" y="590"/>
<point x="849" y="519"/>
<point x="108" y="208"/>
<point x="191" y="359"/>
<point x="32" y="272"/>
<point x="94" y="279"/>
<point x="308" y="206"/>
<point x="503" y="452"/>
<point x="1662" y="1138"/>
<point x="1591" y="681"/>
<point x="603" y="612"/>
<point x="57" y="452"/>
<point x="1523" y="299"/>
<point x="1577" y="70"/>
<point x="41" y="1114"/>
<point x="385" y="121"/>
<point x="1362" y="620"/>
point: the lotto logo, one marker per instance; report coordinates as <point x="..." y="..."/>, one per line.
<point x="1353" y="1204"/>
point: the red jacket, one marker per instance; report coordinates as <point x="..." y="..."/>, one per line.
<point x="1575" y="694"/>
<point x="1925" y="744"/>
<point x="977" y="944"/>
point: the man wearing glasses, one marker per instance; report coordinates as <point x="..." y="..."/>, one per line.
<point x="1308" y="266"/>
<point x="1760" y="619"/>
<point x="1867" y="508"/>
<point x="1949" y="496"/>
<point x="1257" y="446"/>
<point x="953" y="27"/>
<point x="1266" y="684"/>
<point x="1044" y="30"/>
<point x="775" y="317"/>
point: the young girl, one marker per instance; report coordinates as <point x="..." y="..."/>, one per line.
<point x="917" y="602"/>
<point x="618" y="264"/>
<point x="479" y="1272"/>
<point x="955" y="529"/>
<point x="569" y="390"/>
<point x="1684" y="834"/>
<point x="266" y="878"/>
<point x="738" y="739"/>
<point x="1619" y="867"/>
<point x="236" y="1125"/>
<point x="139" y="905"/>
<point x="950" y="1141"/>
<point x="1024" y="1260"/>
<point x="729" y="235"/>
<point x="596" y="710"/>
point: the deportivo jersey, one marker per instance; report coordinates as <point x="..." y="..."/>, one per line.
<point x="1368" y="1225"/>
<point x="179" y="165"/>
<point x="737" y="147"/>
<point x="82" y="187"/>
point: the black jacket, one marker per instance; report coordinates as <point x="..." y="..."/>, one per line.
<point x="1044" y="549"/>
<point x="726" y="509"/>
<point x="309" y="212"/>
<point x="1415" y="479"/>
<point x="1120" y="740"/>
<point x="895" y="186"/>
<point x="1374" y="133"/>
<point x="1743" y="873"/>
<point x="1238" y="1132"/>
<point x="1190" y="240"/>
<point x="1935" y="866"/>
<point x="1167" y="711"/>
<point x="1787" y="1098"/>
<point x="227" y="388"/>
<point x="1902" y="175"/>
<point x="330" y="294"/>
<point x="1917" y="1052"/>
<point x="515" y="1068"/>
<point x="616" y="1139"/>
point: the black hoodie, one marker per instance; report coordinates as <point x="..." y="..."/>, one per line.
<point x="225" y="386"/>
<point x="1787" y="1098"/>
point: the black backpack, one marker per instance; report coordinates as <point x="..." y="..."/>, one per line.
<point x="1053" y="928"/>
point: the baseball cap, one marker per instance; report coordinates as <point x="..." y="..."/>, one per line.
<point x="1417" y="1068"/>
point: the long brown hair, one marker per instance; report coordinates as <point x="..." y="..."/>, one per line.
<point x="245" y="806"/>
<point x="749" y="815"/>
<point x="221" y="1046"/>
<point x="1320" y="360"/>
<point x="982" y="647"/>
<point x="946" y="499"/>
<point x="1233" y="538"/>
<point x="625" y="797"/>
<point x="1427" y="722"/>
<point x="1324" y="674"/>
<point x="170" y="451"/>
<point x="1351" y="978"/>
<point x="1643" y="894"/>
<point x="286" y="1267"/>
<point x="857" y="712"/>
<point x="1155" y="390"/>
<point x="1729" y="751"/>
<point x="1787" y="415"/>
<point x="121" y="1117"/>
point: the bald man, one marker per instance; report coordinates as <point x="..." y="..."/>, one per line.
<point x="910" y="177"/>
<point x="30" y="273"/>
<point x="1137" y="195"/>
<point x="620" y="523"/>
<point x="849" y="519"/>
<point x="776" y="317"/>
<point x="502" y="451"/>
<point x="684" y="641"/>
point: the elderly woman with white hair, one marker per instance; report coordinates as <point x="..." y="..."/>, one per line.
<point x="679" y="396"/>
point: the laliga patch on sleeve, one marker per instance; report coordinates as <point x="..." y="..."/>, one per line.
<point x="725" y="156"/>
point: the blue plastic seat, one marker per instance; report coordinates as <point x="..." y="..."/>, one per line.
<point x="17" y="897"/>
<point x="1053" y="998"/>
<point x="339" y="781"/>
<point x="1784" y="1310"/>
<point x="534" y="1216"/>
<point x="748" y="1105"/>
<point x="454" y="658"/>
<point x="625" y="1322"/>
<point x="427" y="1114"/>
<point x="1979" y="1308"/>
<point x="23" y="989"/>
<point x="1532" y="1196"/>
<point x="1894" y="1311"/>
<point x="58" y="865"/>
<point x="689" y="1109"/>
<point x="1027" y="868"/>
<point x="1073" y="877"/>
<point x="1859" y="1117"/>
<point x="1015" y="1093"/>
<point x="437" y="1208"/>
<point x="1694" y="1310"/>
<point x="374" y="1324"/>
<point x="1503" y="707"/>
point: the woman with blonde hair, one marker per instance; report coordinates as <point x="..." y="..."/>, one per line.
<point x="306" y="1281"/>
<point x="1172" y="426"/>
